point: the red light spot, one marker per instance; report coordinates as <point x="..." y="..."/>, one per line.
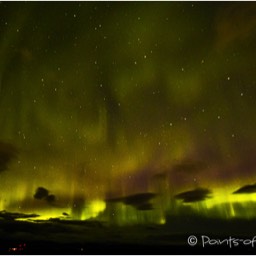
<point x="13" y="249"/>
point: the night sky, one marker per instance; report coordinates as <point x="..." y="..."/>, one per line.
<point x="100" y="99"/>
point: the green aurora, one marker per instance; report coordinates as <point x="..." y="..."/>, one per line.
<point x="110" y="99"/>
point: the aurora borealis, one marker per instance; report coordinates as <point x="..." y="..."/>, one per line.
<point x="109" y="99"/>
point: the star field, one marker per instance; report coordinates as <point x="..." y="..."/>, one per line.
<point x="98" y="98"/>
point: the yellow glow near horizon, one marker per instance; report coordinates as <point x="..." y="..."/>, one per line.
<point x="93" y="210"/>
<point x="162" y="221"/>
<point x="227" y="205"/>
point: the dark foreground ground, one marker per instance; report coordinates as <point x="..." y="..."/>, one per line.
<point x="84" y="237"/>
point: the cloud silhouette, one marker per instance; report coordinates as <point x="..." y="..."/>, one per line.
<point x="50" y="198"/>
<point x="41" y="193"/>
<point x="16" y="215"/>
<point x="195" y="195"/>
<point x="247" y="189"/>
<point x="139" y="201"/>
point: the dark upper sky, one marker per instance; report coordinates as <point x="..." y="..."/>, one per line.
<point x="106" y="93"/>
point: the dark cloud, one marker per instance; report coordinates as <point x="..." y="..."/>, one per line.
<point x="50" y="198"/>
<point x="247" y="189"/>
<point x="14" y="215"/>
<point x="199" y="194"/>
<point x="41" y="193"/>
<point x="140" y="201"/>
